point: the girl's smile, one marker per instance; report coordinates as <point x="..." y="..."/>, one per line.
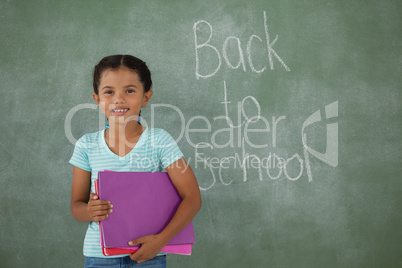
<point x="121" y="95"/>
<point x="119" y="112"/>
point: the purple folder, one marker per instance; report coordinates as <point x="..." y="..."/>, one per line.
<point x="143" y="204"/>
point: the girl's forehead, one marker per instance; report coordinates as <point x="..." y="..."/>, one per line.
<point x="113" y="75"/>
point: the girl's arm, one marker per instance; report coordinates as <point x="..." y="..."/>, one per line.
<point x="84" y="206"/>
<point x="183" y="178"/>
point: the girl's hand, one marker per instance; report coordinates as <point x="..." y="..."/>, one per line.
<point x="151" y="245"/>
<point x="98" y="210"/>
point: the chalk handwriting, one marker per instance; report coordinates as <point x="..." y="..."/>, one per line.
<point x="272" y="54"/>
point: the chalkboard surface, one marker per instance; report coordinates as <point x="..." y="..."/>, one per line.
<point x="288" y="111"/>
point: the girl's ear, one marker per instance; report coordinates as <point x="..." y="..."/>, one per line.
<point x="96" y="97"/>
<point x="147" y="97"/>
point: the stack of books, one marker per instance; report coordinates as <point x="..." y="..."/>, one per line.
<point x="143" y="204"/>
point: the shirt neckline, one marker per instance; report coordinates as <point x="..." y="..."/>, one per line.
<point x="139" y="143"/>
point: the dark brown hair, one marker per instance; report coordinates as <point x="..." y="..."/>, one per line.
<point x="117" y="61"/>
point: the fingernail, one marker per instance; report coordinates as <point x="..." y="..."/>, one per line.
<point x="130" y="243"/>
<point x="110" y="211"/>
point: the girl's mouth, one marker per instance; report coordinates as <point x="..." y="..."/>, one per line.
<point x="119" y="110"/>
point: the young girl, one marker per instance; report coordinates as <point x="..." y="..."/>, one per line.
<point x="122" y="86"/>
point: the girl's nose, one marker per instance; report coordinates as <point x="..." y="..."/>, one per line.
<point x="118" y="98"/>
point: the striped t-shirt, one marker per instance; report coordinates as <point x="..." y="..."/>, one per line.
<point x="154" y="151"/>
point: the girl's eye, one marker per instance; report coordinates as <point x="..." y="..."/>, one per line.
<point x="130" y="91"/>
<point x="108" y="92"/>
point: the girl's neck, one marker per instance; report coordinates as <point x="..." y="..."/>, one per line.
<point x="123" y="134"/>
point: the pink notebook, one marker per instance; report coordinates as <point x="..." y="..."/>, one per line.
<point x="143" y="204"/>
<point x="175" y="249"/>
<point x="184" y="249"/>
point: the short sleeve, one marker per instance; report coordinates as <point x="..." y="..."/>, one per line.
<point x="80" y="155"/>
<point x="169" y="151"/>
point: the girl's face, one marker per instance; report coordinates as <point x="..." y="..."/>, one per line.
<point x="121" y="95"/>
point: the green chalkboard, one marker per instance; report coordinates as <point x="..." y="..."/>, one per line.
<point x="288" y="111"/>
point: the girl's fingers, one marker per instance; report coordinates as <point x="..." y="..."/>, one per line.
<point x="101" y="212"/>
<point x="99" y="204"/>
<point x="100" y="215"/>
<point x="101" y="207"/>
